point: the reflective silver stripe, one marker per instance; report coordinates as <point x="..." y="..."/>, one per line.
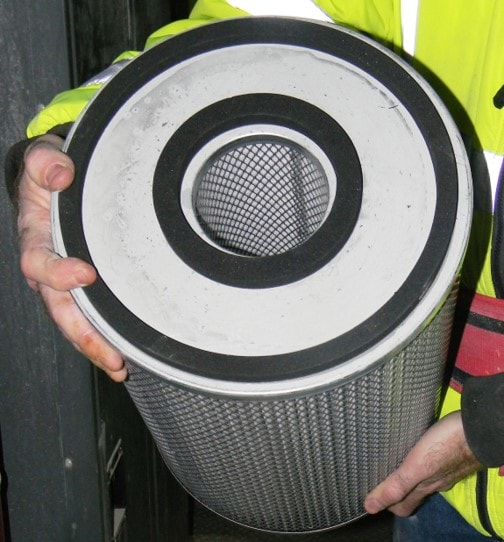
<point x="409" y="20"/>
<point x="107" y="73"/>
<point x="287" y="8"/>
<point x="485" y="169"/>
<point x="494" y="164"/>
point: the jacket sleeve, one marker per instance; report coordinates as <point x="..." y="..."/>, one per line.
<point x="67" y="106"/>
<point x="483" y="418"/>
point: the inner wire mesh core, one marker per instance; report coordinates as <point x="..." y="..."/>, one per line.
<point x="261" y="198"/>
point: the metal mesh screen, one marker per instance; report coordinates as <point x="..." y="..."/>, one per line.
<point x="261" y="198"/>
<point x="298" y="464"/>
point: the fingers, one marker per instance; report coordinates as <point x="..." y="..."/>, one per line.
<point x="439" y="459"/>
<point x="422" y="472"/>
<point x="399" y="494"/>
<point x="46" y="165"/>
<point x="40" y="265"/>
<point x="82" y="334"/>
<point x="394" y="489"/>
<point x="48" y="169"/>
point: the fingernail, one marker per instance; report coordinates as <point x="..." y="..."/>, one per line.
<point x="81" y="279"/>
<point x="53" y="171"/>
<point x="373" y="506"/>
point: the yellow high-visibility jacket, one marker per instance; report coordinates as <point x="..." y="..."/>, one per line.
<point x="458" y="46"/>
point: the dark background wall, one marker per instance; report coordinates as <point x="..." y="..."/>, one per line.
<point x="100" y="29"/>
<point x="68" y="435"/>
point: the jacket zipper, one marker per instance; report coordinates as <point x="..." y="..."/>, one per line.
<point x="481" y="503"/>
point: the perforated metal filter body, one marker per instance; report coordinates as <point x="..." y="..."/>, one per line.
<point x="302" y="463"/>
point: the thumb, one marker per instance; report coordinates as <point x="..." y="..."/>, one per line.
<point x="391" y="491"/>
<point x="47" y="166"/>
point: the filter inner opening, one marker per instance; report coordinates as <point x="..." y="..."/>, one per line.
<point x="260" y="197"/>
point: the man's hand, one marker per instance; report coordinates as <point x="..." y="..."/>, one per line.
<point x="439" y="460"/>
<point x="47" y="169"/>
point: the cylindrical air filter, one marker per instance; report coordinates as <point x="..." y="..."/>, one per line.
<point x="277" y="210"/>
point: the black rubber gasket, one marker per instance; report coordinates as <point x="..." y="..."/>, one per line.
<point x="234" y="32"/>
<point x="268" y="271"/>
